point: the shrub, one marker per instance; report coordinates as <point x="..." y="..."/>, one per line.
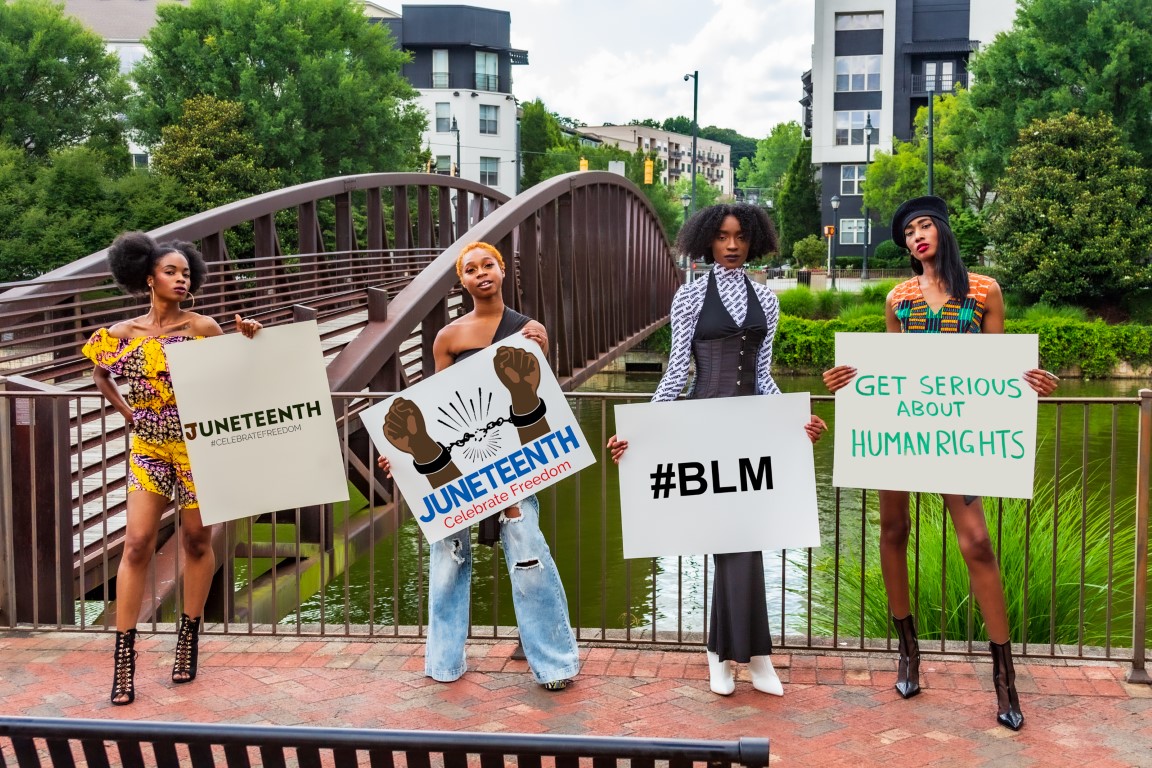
<point x="797" y="302"/>
<point x="810" y="252"/>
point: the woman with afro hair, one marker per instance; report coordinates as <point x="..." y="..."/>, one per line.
<point x="727" y="323"/>
<point x="158" y="469"/>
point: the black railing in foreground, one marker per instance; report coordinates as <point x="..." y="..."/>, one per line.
<point x="47" y="741"/>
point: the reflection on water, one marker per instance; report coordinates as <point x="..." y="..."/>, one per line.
<point x="580" y="518"/>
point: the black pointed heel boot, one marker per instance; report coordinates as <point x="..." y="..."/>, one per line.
<point x="187" y="650"/>
<point x="124" y="669"/>
<point x="908" y="670"/>
<point x="1008" y="712"/>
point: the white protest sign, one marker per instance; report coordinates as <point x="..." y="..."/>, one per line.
<point x="479" y="436"/>
<point x="258" y="422"/>
<point x="938" y="413"/>
<point x="732" y="474"/>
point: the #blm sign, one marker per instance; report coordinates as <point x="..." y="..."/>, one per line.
<point x="732" y="474"/>
<point x="258" y="422"/>
<point x="479" y="436"/>
<point x="937" y="413"/>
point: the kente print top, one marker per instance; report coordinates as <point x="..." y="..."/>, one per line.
<point x="956" y="316"/>
<point x="686" y="308"/>
<point x="142" y="361"/>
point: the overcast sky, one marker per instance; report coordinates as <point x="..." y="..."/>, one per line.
<point x="609" y="61"/>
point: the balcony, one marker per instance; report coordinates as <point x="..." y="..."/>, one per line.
<point x="440" y="80"/>
<point x="487" y="82"/>
<point x="941" y="84"/>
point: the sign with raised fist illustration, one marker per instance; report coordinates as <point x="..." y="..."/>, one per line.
<point x="478" y="437"/>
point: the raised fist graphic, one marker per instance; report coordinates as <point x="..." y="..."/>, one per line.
<point x="405" y="429"/>
<point x="519" y="372"/>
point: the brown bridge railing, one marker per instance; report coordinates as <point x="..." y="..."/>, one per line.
<point x="371" y="259"/>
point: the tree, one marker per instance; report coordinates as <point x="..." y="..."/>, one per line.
<point x="56" y="209"/>
<point x="774" y="154"/>
<point x="1073" y="221"/>
<point x="322" y="88"/>
<point x="810" y="252"/>
<point x="211" y="154"/>
<point x="58" y="84"/>
<point x="798" y="205"/>
<point x="743" y="147"/>
<point x="678" y="124"/>
<point x="1093" y="56"/>
<point x="539" y="131"/>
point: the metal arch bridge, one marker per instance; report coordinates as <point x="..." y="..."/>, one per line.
<point x="372" y="259"/>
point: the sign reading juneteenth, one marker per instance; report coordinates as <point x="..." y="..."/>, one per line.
<point x="478" y="437"/>
<point x="258" y="422"/>
<point x="941" y="413"/>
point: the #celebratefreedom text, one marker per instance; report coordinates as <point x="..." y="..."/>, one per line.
<point x="499" y="479"/>
<point x="948" y="397"/>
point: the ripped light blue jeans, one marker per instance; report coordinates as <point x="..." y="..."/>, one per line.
<point x="537" y="596"/>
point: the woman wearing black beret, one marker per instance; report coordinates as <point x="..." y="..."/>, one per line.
<point x="944" y="298"/>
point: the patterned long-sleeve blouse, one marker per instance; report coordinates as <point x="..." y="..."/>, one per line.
<point x="686" y="308"/>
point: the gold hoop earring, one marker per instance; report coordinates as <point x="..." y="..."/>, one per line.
<point x="193" y="297"/>
<point x="151" y="296"/>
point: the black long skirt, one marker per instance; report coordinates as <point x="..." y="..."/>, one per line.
<point x="738" y="627"/>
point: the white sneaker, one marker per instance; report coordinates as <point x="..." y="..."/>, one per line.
<point x="764" y="677"/>
<point x="721" y="679"/>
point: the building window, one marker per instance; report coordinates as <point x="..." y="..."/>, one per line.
<point x="139" y="160"/>
<point x="439" y="68"/>
<point x="852" y="179"/>
<point x="849" y="126"/>
<point x="487" y="71"/>
<point x="858" y="73"/>
<point x="443" y="117"/>
<point x="490" y="171"/>
<point x="489" y="119"/>
<point x="852" y="231"/>
<point x="444" y="165"/>
<point x="852" y="21"/>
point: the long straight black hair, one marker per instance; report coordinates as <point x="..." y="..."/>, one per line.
<point x="949" y="265"/>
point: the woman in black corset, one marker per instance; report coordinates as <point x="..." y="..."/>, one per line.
<point x="727" y="323"/>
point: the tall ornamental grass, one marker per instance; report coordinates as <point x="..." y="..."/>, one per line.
<point x="1066" y="564"/>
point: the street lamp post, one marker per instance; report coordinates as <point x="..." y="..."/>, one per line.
<point x="832" y="241"/>
<point x="456" y="130"/>
<point x="931" y="94"/>
<point x="685" y="200"/>
<point x="867" y="218"/>
<point x="695" y="77"/>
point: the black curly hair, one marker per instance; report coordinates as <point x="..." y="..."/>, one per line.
<point x="698" y="233"/>
<point x="133" y="255"/>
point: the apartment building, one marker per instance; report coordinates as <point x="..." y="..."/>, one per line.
<point x="874" y="64"/>
<point x="461" y="66"/>
<point x="713" y="158"/>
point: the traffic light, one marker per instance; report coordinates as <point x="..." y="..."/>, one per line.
<point x="428" y="165"/>
<point x="649" y="167"/>
<point x="455" y="170"/>
<point x="583" y="163"/>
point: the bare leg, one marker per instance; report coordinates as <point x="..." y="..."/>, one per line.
<point x="199" y="561"/>
<point x="144" y="511"/>
<point x="894" y="527"/>
<point x="983" y="570"/>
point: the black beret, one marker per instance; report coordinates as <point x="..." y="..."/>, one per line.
<point x="910" y="210"/>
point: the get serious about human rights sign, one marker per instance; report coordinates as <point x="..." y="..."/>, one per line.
<point x="937" y="413"/>
<point x="478" y="437"/>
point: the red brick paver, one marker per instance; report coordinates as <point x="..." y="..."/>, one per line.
<point x="836" y="711"/>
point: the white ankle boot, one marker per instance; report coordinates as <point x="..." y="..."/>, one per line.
<point x="720" y="677"/>
<point x="764" y="678"/>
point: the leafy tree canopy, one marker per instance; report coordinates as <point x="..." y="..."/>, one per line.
<point x="1093" y="56"/>
<point x="322" y="89"/>
<point x="211" y="154"/>
<point x="1072" y="222"/>
<point x="58" y="84"/>
<point x="539" y="131"/>
<point x="773" y="155"/>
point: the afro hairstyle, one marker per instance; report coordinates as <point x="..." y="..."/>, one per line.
<point x="133" y="255"/>
<point x="698" y="233"/>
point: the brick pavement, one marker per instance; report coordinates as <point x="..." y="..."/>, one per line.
<point x="836" y="711"/>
